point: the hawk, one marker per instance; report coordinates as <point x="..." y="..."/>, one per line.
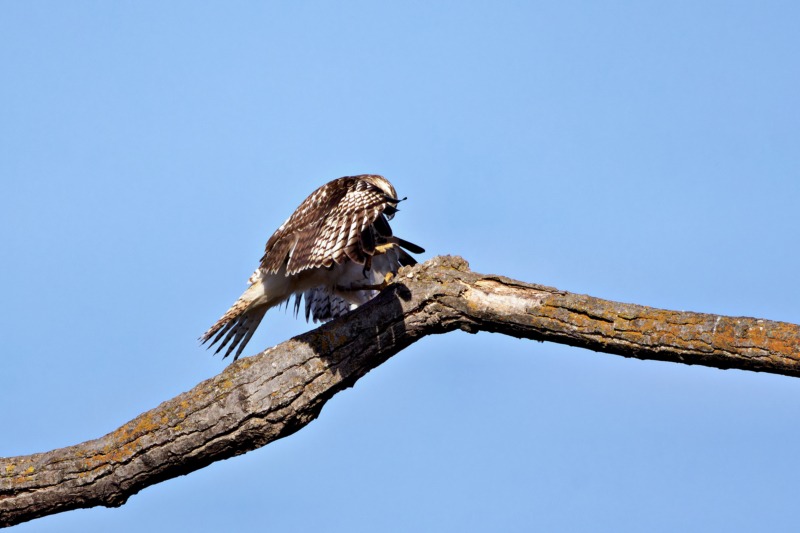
<point x="336" y="251"/>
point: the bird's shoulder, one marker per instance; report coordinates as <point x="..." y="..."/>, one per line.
<point x="332" y="205"/>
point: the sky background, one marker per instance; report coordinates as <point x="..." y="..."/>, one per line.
<point x="643" y="152"/>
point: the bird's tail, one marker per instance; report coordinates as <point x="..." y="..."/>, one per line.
<point x="238" y="324"/>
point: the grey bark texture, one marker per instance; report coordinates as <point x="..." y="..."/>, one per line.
<point x="259" y="399"/>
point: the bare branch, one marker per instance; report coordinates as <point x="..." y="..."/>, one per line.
<point x="271" y="395"/>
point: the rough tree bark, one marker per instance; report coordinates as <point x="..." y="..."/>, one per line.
<point x="271" y="395"/>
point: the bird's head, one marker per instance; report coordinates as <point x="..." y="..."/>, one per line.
<point x="391" y="195"/>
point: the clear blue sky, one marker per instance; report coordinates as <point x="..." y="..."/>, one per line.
<point x="644" y="152"/>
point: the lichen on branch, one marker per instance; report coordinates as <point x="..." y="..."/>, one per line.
<point x="259" y="399"/>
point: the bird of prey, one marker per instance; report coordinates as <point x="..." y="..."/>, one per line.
<point x="336" y="250"/>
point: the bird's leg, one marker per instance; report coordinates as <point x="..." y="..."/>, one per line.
<point x="367" y="265"/>
<point x="387" y="279"/>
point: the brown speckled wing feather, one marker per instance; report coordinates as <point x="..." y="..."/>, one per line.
<point x="327" y="227"/>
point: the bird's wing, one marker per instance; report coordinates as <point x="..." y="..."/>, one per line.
<point x="328" y="227"/>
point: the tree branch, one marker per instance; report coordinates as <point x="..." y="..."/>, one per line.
<point x="271" y="395"/>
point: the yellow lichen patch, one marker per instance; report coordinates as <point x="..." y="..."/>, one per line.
<point x="757" y="335"/>
<point x="10" y="469"/>
<point x="144" y="424"/>
<point x="784" y="339"/>
<point x="124" y="442"/>
<point x="116" y="455"/>
<point x="24" y="477"/>
<point x="724" y="337"/>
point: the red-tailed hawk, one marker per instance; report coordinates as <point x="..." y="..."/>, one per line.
<point x="336" y="250"/>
